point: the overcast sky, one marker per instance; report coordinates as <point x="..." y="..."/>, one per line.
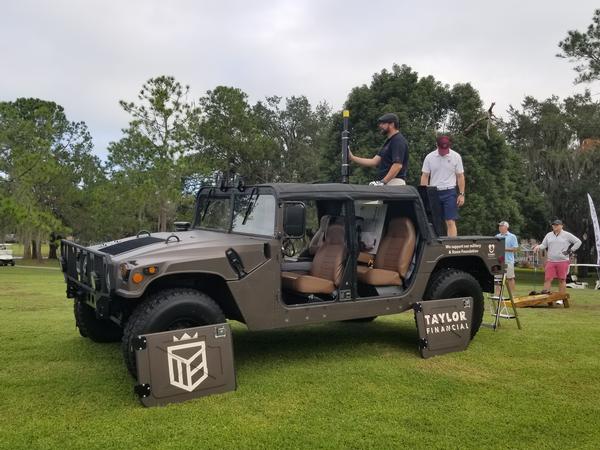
<point x="86" y="55"/>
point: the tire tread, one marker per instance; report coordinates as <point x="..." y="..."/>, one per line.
<point x="148" y="308"/>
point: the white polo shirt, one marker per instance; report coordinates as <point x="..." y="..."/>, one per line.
<point x="442" y="170"/>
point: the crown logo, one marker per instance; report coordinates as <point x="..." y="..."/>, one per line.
<point x="185" y="337"/>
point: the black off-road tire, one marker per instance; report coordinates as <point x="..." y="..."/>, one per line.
<point x="170" y="309"/>
<point x="90" y="326"/>
<point x="454" y="283"/>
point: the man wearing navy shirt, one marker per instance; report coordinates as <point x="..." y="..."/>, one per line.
<point x="392" y="160"/>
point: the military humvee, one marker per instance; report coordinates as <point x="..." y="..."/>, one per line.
<point x="278" y="255"/>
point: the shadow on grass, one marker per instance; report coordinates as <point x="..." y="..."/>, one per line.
<point x="332" y="339"/>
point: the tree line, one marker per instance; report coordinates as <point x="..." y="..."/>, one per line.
<point x="535" y="164"/>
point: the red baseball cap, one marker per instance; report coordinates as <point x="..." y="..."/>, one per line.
<point x="443" y="144"/>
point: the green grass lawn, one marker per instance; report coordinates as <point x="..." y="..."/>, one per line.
<point x="18" y="249"/>
<point x="328" y="386"/>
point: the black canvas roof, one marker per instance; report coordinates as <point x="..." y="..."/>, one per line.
<point x="340" y="191"/>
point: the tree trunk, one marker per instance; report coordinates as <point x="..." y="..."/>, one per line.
<point x="162" y="216"/>
<point x="39" y="249"/>
<point x="52" y="251"/>
<point x="26" y="247"/>
<point x="34" y="252"/>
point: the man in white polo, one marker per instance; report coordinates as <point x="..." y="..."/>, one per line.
<point x="511" y="246"/>
<point x="443" y="168"/>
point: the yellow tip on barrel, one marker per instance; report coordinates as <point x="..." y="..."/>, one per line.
<point x="346" y="113"/>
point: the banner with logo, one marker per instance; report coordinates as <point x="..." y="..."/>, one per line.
<point x="443" y="325"/>
<point x="179" y="365"/>
<point x="596" y="227"/>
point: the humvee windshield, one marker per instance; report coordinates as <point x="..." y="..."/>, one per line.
<point x="253" y="213"/>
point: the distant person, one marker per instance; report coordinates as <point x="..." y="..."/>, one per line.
<point x="511" y="246"/>
<point x="560" y="245"/>
<point x="392" y="160"/>
<point x="443" y="168"/>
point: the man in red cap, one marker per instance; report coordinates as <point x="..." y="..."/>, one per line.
<point x="443" y="168"/>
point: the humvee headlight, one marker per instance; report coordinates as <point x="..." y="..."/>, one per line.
<point x="78" y="263"/>
<point x="137" y="278"/>
<point x="124" y="270"/>
<point x="152" y="270"/>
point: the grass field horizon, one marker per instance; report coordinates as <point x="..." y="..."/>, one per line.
<point x="335" y="385"/>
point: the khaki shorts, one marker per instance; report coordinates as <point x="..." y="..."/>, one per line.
<point x="396" y="182"/>
<point x="510" y="270"/>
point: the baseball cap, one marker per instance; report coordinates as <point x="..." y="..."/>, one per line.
<point x="443" y="145"/>
<point x="504" y="223"/>
<point x="443" y="142"/>
<point x="389" y="118"/>
<point x="557" y="222"/>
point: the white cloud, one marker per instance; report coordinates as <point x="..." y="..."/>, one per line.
<point x="88" y="55"/>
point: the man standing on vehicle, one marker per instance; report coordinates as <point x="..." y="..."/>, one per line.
<point x="443" y="168"/>
<point x="392" y="159"/>
<point x="560" y="245"/>
<point x="511" y="245"/>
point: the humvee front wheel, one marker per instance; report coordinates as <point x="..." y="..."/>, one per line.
<point x="170" y="309"/>
<point x="90" y="326"/>
<point x="454" y="283"/>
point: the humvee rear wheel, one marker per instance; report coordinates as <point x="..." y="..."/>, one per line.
<point x="454" y="283"/>
<point x="90" y="326"/>
<point x="170" y="309"/>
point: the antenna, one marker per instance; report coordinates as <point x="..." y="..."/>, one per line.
<point x="345" y="149"/>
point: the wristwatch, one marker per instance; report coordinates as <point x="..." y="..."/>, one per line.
<point x="462" y="193"/>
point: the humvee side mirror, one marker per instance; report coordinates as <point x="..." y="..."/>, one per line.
<point x="182" y="226"/>
<point x="294" y="219"/>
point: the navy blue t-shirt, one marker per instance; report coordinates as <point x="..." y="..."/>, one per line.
<point x="394" y="150"/>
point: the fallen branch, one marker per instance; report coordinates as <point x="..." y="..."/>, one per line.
<point x="489" y="116"/>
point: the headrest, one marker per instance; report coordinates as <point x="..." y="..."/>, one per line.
<point x="335" y="234"/>
<point x="324" y="222"/>
<point x="400" y="227"/>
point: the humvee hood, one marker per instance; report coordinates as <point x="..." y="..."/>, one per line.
<point x="160" y="243"/>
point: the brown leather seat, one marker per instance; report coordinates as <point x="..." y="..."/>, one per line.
<point x="394" y="255"/>
<point x="327" y="266"/>
<point x="319" y="236"/>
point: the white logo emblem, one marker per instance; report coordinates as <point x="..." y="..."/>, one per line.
<point x="491" y="248"/>
<point x="187" y="363"/>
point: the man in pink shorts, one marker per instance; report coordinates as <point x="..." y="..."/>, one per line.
<point x="560" y="245"/>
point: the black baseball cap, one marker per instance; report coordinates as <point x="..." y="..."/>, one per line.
<point x="389" y="118"/>
<point x="557" y="222"/>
